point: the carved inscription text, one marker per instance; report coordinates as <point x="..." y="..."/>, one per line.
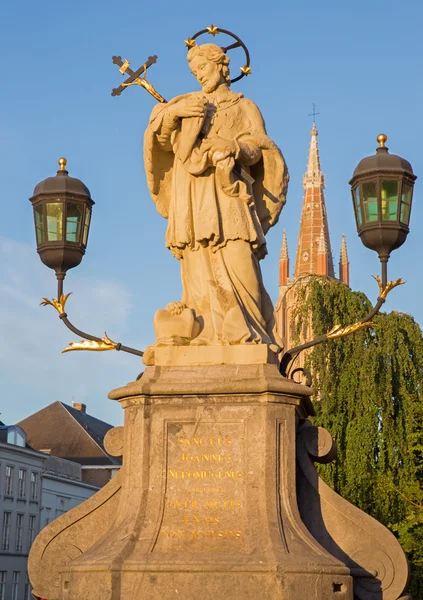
<point x="204" y="503"/>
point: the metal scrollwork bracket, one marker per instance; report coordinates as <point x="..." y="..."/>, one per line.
<point x="338" y="331"/>
<point x="91" y="342"/>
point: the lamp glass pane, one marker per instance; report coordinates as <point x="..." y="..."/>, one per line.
<point x="357" y="205"/>
<point x="370" y="201"/>
<point x="407" y="192"/>
<point x="86" y="226"/>
<point x="54" y="212"/>
<point x="73" y="222"/>
<point x="39" y="225"/>
<point x="389" y="200"/>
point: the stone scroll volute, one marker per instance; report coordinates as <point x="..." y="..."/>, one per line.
<point x="376" y="560"/>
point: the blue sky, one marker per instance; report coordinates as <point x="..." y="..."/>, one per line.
<point x="360" y="62"/>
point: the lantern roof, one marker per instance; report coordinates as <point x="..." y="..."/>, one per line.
<point x="382" y="161"/>
<point x="61" y="184"/>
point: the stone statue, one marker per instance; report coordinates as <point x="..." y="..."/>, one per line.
<point x="221" y="182"/>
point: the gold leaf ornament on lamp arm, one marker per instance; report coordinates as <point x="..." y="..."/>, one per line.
<point x="105" y="344"/>
<point x="59" y="304"/>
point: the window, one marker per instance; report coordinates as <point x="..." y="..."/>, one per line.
<point x="15" y="585"/>
<point x="389" y="191"/>
<point x="19" y="532"/>
<point x="73" y="222"/>
<point x="39" y="226"/>
<point x="31" y="530"/>
<point x="6" y="532"/>
<point x="370" y="201"/>
<point x="357" y="206"/>
<point x="54" y="221"/>
<point x="16" y="436"/>
<point x="21" y="483"/>
<point x="8" y="488"/>
<point x="34" y="486"/>
<point x="86" y="226"/>
<point x="28" y="588"/>
<point x="3" y="575"/>
<point x="407" y="191"/>
<point x="63" y="506"/>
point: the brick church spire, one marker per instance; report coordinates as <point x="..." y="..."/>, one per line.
<point x="314" y="254"/>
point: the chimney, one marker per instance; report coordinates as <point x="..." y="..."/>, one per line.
<point x="80" y="406"/>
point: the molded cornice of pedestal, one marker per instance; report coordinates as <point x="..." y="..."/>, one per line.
<point x="214" y="383"/>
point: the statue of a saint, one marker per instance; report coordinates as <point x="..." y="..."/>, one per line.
<point x="221" y="182"/>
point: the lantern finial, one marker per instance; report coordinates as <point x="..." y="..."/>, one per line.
<point x="62" y="163"/>
<point x="382" y="139"/>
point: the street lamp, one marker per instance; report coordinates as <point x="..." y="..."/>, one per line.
<point x="382" y="192"/>
<point x="62" y="215"/>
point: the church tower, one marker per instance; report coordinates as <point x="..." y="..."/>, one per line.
<point x="314" y="252"/>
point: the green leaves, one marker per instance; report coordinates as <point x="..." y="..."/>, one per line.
<point x="369" y="395"/>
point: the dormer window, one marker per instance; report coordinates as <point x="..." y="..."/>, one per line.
<point x="16" y="436"/>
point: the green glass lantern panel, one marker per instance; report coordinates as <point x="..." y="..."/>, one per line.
<point x="407" y="192"/>
<point x="39" y="224"/>
<point x="86" y="226"/>
<point x="357" y="205"/>
<point x="370" y="201"/>
<point x="389" y="200"/>
<point x="73" y="222"/>
<point x="54" y="211"/>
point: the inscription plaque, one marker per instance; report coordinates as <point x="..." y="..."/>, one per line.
<point x="205" y="489"/>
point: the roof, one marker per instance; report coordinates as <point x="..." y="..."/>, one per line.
<point x="64" y="431"/>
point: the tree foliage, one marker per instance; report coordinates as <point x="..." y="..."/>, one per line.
<point x="370" y="390"/>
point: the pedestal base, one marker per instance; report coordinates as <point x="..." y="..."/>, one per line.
<point x="217" y="585"/>
<point x="205" y="505"/>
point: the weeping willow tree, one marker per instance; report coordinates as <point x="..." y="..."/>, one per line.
<point x="370" y="390"/>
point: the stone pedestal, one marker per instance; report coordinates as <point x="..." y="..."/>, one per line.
<point x="205" y="505"/>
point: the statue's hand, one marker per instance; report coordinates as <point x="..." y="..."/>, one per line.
<point x="219" y="145"/>
<point x="188" y="107"/>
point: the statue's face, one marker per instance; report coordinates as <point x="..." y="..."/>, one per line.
<point x="208" y="73"/>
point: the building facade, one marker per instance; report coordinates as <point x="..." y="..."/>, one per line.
<point x="34" y="489"/>
<point x="313" y="253"/>
<point x="69" y="432"/>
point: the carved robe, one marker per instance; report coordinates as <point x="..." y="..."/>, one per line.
<point x="217" y="220"/>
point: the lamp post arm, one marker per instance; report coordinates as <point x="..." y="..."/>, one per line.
<point x="338" y="331"/>
<point x="90" y="342"/>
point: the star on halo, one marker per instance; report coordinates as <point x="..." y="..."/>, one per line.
<point x="213" y="30"/>
<point x="189" y="43"/>
<point x="246" y="70"/>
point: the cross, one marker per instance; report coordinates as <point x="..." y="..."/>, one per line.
<point x="133" y="75"/>
<point x="314" y="113"/>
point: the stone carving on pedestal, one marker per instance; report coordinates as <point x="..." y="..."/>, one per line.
<point x="217" y="497"/>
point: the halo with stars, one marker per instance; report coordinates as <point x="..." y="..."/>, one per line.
<point x="213" y="30"/>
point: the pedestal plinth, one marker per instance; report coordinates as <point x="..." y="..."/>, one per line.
<point x="205" y="505"/>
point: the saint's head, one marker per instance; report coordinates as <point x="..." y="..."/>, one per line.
<point x="210" y="65"/>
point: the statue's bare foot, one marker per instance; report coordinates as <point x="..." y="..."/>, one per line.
<point x="175" y="325"/>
